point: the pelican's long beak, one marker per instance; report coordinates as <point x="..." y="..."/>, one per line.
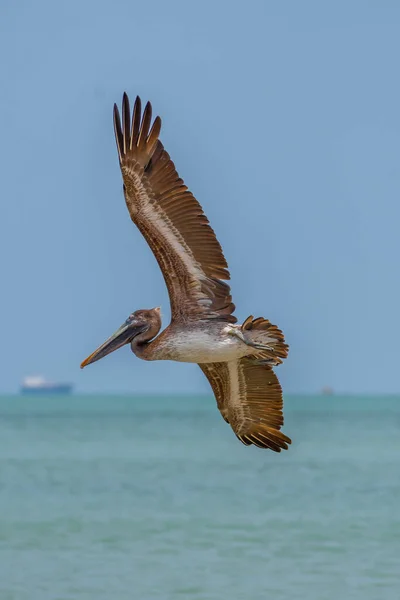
<point x="124" y="335"/>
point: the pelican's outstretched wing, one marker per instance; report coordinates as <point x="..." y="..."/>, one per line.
<point x="249" y="397"/>
<point x="171" y="220"/>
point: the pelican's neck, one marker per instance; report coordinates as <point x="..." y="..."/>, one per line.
<point x="141" y="345"/>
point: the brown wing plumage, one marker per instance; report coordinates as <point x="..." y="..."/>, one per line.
<point x="171" y="220"/>
<point x="249" y="397"/>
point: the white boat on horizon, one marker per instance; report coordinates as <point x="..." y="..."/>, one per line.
<point x="36" y="384"/>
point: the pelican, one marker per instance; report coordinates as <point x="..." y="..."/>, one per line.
<point x="237" y="360"/>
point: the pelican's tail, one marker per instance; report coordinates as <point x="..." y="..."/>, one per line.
<point x="267" y="338"/>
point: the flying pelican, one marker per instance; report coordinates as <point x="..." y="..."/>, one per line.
<point x="236" y="359"/>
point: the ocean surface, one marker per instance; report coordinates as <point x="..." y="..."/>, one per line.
<point x="153" y="498"/>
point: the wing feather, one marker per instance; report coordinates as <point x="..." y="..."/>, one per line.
<point x="249" y="397"/>
<point x="171" y="220"/>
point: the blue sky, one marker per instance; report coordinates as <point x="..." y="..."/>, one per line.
<point x="284" y="120"/>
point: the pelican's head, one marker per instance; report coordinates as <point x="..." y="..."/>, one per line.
<point x="142" y="325"/>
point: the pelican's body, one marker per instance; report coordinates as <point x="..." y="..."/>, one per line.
<point x="197" y="343"/>
<point x="236" y="359"/>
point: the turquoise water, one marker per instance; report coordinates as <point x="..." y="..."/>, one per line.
<point x="114" y="498"/>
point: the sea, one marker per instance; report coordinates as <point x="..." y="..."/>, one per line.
<point x="154" y="498"/>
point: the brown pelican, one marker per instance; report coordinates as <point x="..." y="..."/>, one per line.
<point x="236" y="359"/>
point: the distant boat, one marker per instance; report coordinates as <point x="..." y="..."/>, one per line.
<point x="39" y="385"/>
<point x="327" y="391"/>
